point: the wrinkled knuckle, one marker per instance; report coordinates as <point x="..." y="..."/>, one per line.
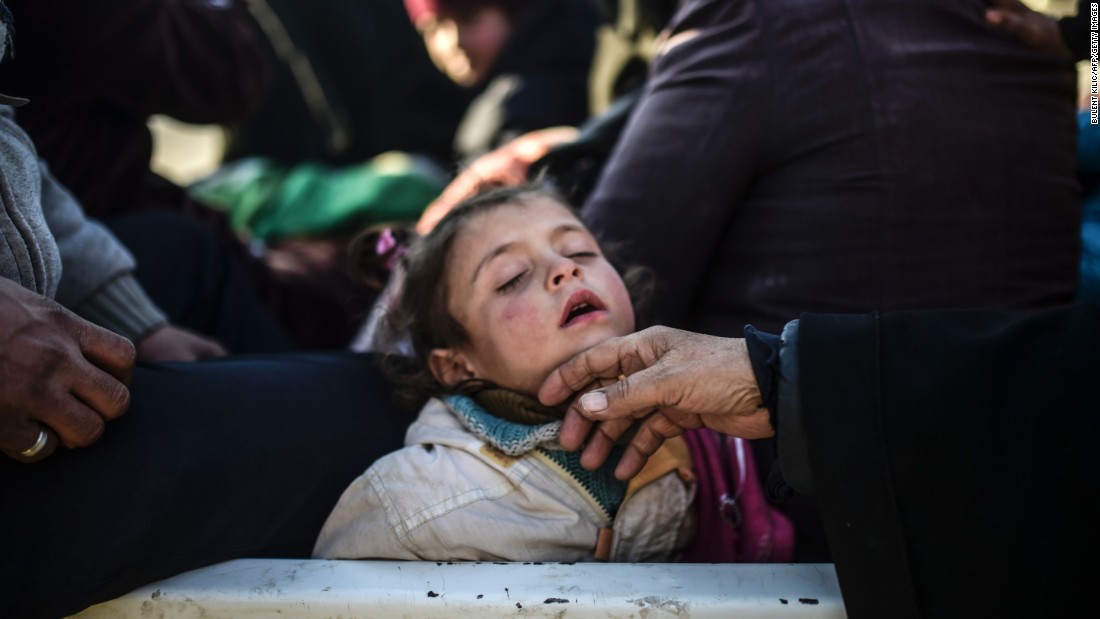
<point x="127" y="352"/>
<point x="648" y="440"/>
<point x="663" y="333"/>
<point x="52" y="357"/>
<point x="118" y="399"/>
<point x="36" y="390"/>
<point x="633" y="364"/>
<point x="121" y="348"/>
<point x="623" y="389"/>
<point x="575" y="374"/>
<point x="668" y="427"/>
<point x="60" y="316"/>
<point x="625" y="393"/>
<point x="86" y="429"/>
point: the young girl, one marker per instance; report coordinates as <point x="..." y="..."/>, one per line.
<point x="508" y="286"/>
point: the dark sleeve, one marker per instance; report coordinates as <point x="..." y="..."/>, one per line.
<point x="774" y="361"/>
<point x="764" y="355"/>
<point x="686" y="157"/>
<point x="951" y="458"/>
<point x="200" y="61"/>
<point x="1075" y="30"/>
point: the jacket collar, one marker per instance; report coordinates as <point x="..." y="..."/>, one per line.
<point x="510" y="437"/>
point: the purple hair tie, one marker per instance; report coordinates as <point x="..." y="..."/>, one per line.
<point x="387" y="244"/>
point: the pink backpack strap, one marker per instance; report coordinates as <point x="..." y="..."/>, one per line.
<point x="736" y="524"/>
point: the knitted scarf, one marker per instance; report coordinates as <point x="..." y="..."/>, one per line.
<point x="518" y="424"/>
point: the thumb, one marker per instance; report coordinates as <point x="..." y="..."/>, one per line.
<point x="634" y="396"/>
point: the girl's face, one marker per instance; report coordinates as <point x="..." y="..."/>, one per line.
<point x="532" y="288"/>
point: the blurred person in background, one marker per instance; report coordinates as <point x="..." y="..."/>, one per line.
<point x="110" y="66"/>
<point x="527" y="61"/>
<point x="352" y="80"/>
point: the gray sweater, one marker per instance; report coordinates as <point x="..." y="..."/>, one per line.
<point x="50" y="247"/>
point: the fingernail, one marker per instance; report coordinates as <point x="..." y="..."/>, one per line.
<point x="594" y="401"/>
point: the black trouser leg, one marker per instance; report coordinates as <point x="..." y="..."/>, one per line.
<point x="214" y="460"/>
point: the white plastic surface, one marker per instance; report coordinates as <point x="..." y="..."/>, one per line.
<point x="410" y="590"/>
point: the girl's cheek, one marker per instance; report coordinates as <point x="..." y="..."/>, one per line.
<point x="526" y="324"/>
<point x="519" y="312"/>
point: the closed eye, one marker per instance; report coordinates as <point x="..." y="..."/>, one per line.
<point x="582" y="254"/>
<point x="512" y="283"/>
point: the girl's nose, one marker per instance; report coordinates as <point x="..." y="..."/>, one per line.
<point x="563" y="272"/>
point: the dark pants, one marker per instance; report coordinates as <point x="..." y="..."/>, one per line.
<point x="214" y="460"/>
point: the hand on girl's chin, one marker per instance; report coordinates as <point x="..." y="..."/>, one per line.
<point x="583" y="341"/>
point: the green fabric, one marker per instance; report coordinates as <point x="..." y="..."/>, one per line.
<point x="608" y="491"/>
<point x="269" y="201"/>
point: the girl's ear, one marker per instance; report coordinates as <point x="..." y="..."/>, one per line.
<point x="450" y="367"/>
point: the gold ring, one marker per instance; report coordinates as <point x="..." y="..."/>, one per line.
<point x="38" y="446"/>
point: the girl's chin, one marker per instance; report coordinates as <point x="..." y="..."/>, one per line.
<point x="588" y="335"/>
<point x="582" y="341"/>
<point x="585" y="340"/>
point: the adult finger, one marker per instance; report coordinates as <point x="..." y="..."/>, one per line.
<point x="214" y="349"/>
<point x="652" y="433"/>
<point x="109" y="351"/>
<point x="194" y="347"/>
<point x="596" y="450"/>
<point x="631" y="464"/>
<point x="614" y="358"/>
<point x="100" y="391"/>
<point x="75" y="424"/>
<point x="29" y="442"/>
<point x="603" y="360"/>
<point x="574" y="430"/>
<point x="635" y="396"/>
<point x="602" y="440"/>
<point x="576" y="426"/>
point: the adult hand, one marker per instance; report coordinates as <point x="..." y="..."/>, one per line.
<point x="59" y="374"/>
<point x="1037" y="31"/>
<point x="507" y="166"/>
<point x="672" y="380"/>
<point x="171" y="343"/>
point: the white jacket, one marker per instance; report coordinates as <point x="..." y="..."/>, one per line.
<point x="452" y="495"/>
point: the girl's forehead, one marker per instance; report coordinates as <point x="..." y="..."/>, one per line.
<point x="504" y="228"/>
<point x="527" y="213"/>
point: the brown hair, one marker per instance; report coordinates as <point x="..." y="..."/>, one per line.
<point x="423" y="312"/>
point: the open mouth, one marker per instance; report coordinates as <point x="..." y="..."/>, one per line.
<point x="581" y="303"/>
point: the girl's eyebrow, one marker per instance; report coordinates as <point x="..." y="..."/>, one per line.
<point x="500" y="249"/>
<point x="506" y="247"/>
<point x="568" y="227"/>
